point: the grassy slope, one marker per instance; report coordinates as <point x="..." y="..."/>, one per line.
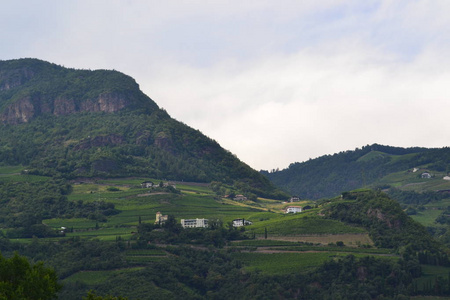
<point x="200" y="202"/>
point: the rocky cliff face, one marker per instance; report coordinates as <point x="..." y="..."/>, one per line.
<point x="25" y="109"/>
<point x="30" y="87"/>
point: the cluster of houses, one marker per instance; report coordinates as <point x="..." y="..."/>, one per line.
<point x="149" y="184"/>
<point x="198" y="223"/>
<point x="202" y="223"/>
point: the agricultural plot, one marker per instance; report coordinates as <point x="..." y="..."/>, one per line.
<point x="430" y="273"/>
<point x="136" y="203"/>
<point x="302" y="223"/>
<point x="8" y="170"/>
<point x="427" y="217"/>
<point x="349" y="239"/>
<point x="410" y="181"/>
<point x="145" y="256"/>
<point x="97" y="277"/>
<point x="22" y="178"/>
<point x="287" y="263"/>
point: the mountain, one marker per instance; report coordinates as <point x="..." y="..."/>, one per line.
<point x="376" y="166"/>
<point x="83" y="123"/>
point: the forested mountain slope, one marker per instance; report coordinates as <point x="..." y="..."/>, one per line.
<point x="329" y="175"/>
<point x="82" y="123"/>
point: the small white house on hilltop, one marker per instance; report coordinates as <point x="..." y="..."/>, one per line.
<point x="292" y="209"/>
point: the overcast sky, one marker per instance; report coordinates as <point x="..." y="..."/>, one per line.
<point x="274" y="82"/>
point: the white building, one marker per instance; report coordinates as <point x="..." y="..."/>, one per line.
<point x="147" y="184"/>
<point x="194" y="223"/>
<point x="294" y="199"/>
<point x="240" y="198"/>
<point x="293" y="209"/>
<point x="426" y="175"/>
<point x="241" y="222"/>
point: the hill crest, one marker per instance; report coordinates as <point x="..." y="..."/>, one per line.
<point x="329" y="175"/>
<point x="31" y="87"/>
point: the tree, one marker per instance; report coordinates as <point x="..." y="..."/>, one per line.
<point x="93" y="296"/>
<point x="20" y="280"/>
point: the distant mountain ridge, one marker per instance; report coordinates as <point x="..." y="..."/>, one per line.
<point x="72" y="123"/>
<point x="329" y="175"/>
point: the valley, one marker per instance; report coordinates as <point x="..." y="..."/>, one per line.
<point x="276" y="244"/>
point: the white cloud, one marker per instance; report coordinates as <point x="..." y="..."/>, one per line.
<point x="291" y="107"/>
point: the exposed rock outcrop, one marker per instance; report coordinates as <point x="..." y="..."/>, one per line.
<point x="19" y="112"/>
<point x="378" y="214"/>
<point x="26" y="108"/>
<point x="30" y="88"/>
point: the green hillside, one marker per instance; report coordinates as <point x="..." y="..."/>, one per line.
<point x="375" y="166"/>
<point x="81" y="123"/>
<point x="101" y="234"/>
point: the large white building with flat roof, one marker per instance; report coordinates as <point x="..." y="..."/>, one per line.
<point x="293" y="209"/>
<point x="194" y="223"/>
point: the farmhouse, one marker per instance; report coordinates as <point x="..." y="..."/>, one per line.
<point x="194" y="223"/>
<point x="240" y="198"/>
<point x="147" y="184"/>
<point x="293" y="209"/>
<point x="426" y="175"/>
<point x="160" y="218"/>
<point x="294" y="199"/>
<point x="241" y="222"/>
<point x="167" y="184"/>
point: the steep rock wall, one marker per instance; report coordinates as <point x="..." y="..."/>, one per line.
<point x="29" y="107"/>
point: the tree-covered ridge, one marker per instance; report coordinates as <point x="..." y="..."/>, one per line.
<point x="124" y="144"/>
<point x="26" y="204"/>
<point x="388" y="225"/>
<point x="329" y="175"/>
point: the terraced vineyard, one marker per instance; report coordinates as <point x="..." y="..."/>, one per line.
<point x="276" y="244"/>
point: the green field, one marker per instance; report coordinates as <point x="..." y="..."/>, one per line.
<point x="411" y="181"/>
<point x="427" y="217"/>
<point x="287" y="263"/>
<point x="430" y="273"/>
<point x="8" y="170"/>
<point x="303" y="223"/>
<point x="97" y="277"/>
<point x="194" y="201"/>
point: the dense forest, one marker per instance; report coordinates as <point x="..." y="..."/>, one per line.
<point x="329" y="175"/>
<point x="81" y="123"/>
<point x="388" y="225"/>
